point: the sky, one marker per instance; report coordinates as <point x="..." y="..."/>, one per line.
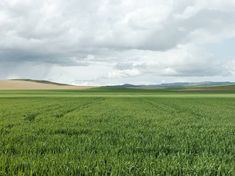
<point x="106" y="42"/>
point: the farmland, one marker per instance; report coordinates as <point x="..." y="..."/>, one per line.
<point x="117" y="132"/>
<point x="28" y="84"/>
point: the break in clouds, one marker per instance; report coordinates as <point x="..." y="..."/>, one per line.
<point x="117" y="41"/>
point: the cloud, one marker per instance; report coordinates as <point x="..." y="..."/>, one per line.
<point x="114" y="41"/>
<point x="183" y="61"/>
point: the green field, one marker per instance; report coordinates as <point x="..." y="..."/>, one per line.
<point x="117" y="132"/>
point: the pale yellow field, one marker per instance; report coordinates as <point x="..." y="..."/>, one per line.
<point x="30" y="85"/>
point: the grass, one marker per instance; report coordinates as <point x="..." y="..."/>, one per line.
<point x="117" y="132"/>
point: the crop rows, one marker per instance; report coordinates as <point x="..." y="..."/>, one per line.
<point x="117" y="136"/>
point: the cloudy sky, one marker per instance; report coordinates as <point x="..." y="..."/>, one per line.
<point x="97" y="42"/>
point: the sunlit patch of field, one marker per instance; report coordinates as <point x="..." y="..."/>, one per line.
<point x="118" y="132"/>
<point x="36" y="85"/>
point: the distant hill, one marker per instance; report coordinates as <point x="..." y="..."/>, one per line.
<point x="28" y="84"/>
<point x="175" y="85"/>
<point x="41" y="81"/>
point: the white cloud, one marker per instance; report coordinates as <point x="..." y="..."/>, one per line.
<point x="105" y="42"/>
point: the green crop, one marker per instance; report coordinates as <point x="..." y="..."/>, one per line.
<point x="122" y="133"/>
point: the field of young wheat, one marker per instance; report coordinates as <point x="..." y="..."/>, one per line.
<point x="116" y="135"/>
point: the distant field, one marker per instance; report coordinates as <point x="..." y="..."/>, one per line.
<point x="212" y="88"/>
<point x="36" y="85"/>
<point x="117" y="132"/>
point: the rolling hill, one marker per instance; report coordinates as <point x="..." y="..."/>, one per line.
<point x="27" y="84"/>
<point x="181" y="85"/>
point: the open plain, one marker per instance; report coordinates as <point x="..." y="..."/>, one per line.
<point x="106" y="131"/>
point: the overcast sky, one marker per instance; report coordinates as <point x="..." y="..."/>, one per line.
<point x="97" y="42"/>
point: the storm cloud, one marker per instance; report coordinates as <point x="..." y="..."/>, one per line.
<point x="118" y="41"/>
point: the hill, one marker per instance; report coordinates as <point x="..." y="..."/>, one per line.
<point x="42" y="81"/>
<point x="27" y="84"/>
<point x="175" y="85"/>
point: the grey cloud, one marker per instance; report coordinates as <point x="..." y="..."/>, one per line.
<point x="196" y="70"/>
<point x="67" y="33"/>
<point x="76" y="25"/>
<point x="18" y="56"/>
<point x="129" y="65"/>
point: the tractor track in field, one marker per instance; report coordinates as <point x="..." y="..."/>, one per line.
<point x="173" y="109"/>
<point x="79" y="108"/>
<point x="57" y="110"/>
